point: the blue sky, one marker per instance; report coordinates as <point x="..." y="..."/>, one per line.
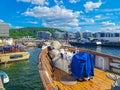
<point x="70" y="15"/>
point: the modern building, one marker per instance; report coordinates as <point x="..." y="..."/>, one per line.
<point x="99" y="34"/>
<point x="107" y="36"/>
<point x="79" y="35"/>
<point x="58" y="35"/>
<point x="87" y="34"/>
<point x="116" y="34"/>
<point x="4" y="29"/>
<point x="43" y="35"/>
<point x="72" y="35"/>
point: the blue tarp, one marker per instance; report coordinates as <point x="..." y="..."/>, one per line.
<point x="9" y="47"/>
<point x="82" y="65"/>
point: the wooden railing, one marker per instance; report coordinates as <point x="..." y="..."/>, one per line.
<point x="45" y="70"/>
<point x="107" y="58"/>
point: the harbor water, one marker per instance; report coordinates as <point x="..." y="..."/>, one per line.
<point x="24" y="75"/>
<point x="114" y="51"/>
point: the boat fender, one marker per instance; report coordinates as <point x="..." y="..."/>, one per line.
<point x="102" y="59"/>
<point x="116" y="84"/>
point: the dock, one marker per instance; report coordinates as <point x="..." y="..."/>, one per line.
<point x="1" y="84"/>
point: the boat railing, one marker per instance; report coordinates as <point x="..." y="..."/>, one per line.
<point x="102" y="61"/>
<point x="12" y="50"/>
<point x="45" y="70"/>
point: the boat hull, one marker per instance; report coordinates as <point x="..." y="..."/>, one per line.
<point x="16" y="56"/>
<point x="84" y="44"/>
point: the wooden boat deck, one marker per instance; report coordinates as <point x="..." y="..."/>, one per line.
<point x="99" y="81"/>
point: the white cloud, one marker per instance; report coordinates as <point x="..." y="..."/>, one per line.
<point x="89" y="6"/>
<point x="24" y="0"/>
<point x="102" y="17"/>
<point x="58" y="2"/>
<point x="33" y="22"/>
<point x="1" y="20"/>
<point x="74" y="1"/>
<point x="16" y="27"/>
<point x="98" y="16"/>
<point x="113" y="29"/>
<point x="110" y="10"/>
<point x="56" y="16"/>
<point x="77" y="28"/>
<point x="87" y="30"/>
<point x="38" y="2"/>
<point x="89" y="20"/>
<point x="107" y="23"/>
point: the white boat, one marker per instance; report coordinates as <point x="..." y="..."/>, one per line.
<point x="86" y="42"/>
<point x="4" y="77"/>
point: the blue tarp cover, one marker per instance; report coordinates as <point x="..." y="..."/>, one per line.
<point x="82" y="65"/>
<point x="9" y="47"/>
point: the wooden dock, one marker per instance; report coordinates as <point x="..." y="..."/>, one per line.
<point x="1" y="84"/>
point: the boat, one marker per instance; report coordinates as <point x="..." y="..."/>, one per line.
<point x="4" y="77"/>
<point x="10" y="53"/>
<point x="56" y="73"/>
<point x="29" y="44"/>
<point x="86" y="42"/>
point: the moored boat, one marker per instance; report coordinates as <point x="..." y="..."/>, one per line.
<point x="4" y="77"/>
<point x="29" y="44"/>
<point x="11" y="53"/>
<point x="56" y="70"/>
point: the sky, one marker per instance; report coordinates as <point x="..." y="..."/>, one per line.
<point x="69" y="15"/>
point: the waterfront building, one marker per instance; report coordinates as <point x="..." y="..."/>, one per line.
<point x="79" y="35"/>
<point x="101" y="34"/>
<point x="107" y="36"/>
<point x="72" y="35"/>
<point x="43" y="35"/>
<point x="58" y="35"/>
<point x="117" y="34"/>
<point x="87" y="34"/>
<point x="4" y="29"/>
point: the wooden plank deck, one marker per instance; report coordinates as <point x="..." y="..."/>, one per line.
<point x="99" y="81"/>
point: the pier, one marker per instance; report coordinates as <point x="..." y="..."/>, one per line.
<point x="1" y="84"/>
